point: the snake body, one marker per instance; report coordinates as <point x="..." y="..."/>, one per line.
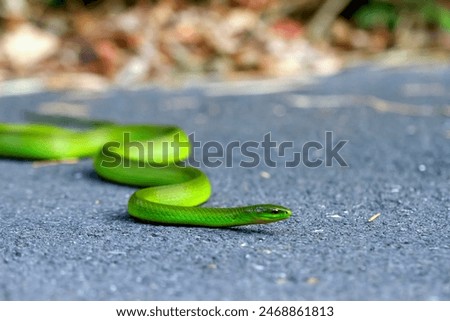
<point x="171" y="192"/>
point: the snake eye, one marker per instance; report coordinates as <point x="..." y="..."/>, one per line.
<point x="275" y="211"/>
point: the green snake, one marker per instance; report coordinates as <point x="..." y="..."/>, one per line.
<point x="171" y="193"/>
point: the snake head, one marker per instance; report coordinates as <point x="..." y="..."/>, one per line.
<point x="268" y="213"/>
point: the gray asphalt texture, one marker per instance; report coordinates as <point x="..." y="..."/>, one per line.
<point x="65" y="234"/>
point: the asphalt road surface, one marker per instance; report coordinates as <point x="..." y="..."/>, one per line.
<point x="65" y="234"/>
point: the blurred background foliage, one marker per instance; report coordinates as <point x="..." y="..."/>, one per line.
<point x="388" y="13"/>
<point x="132" y="41"/>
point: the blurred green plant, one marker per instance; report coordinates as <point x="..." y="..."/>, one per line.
<point x="378" y="13"/>
<point x="55" y="3"/>
<point x="437" y="14"/>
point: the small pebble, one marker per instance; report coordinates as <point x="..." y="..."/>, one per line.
<point x="312" y="280"/>
<point x="258" y="267"/>
<point x="374" y="217"/>
<point x="265" y="174"/>
<point x="422" y="168"/>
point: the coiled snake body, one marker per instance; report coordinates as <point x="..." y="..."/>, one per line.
<point x="174" y="192"/>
